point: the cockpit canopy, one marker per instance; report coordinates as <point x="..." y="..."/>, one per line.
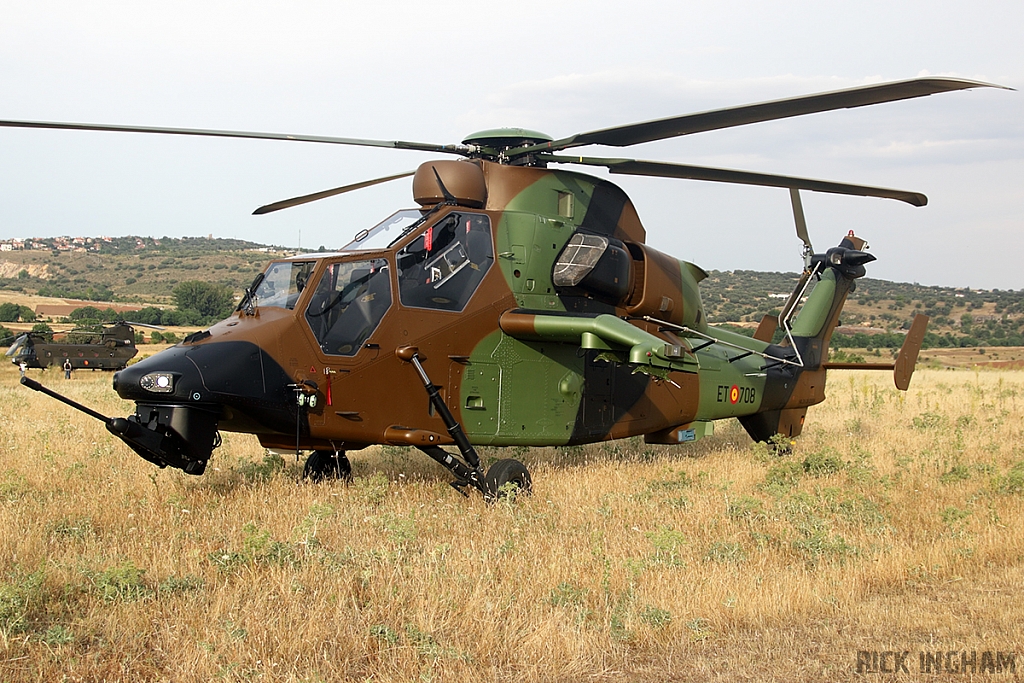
<point x="444" y="259"/>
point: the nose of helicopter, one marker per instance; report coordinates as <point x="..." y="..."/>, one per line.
<point x="168" y="377"/>
<point x="232" y="374"/>
<point x="185" y="394"/>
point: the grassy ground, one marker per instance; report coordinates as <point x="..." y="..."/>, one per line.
<point x="894" y="525"/>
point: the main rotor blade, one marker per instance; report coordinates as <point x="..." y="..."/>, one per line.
<point x="659" y="129"/>
<point x="114" y="128"/>
<point x="18" y="343"/>
<point x="305" y="199"/>
<point x="663" y="169"/>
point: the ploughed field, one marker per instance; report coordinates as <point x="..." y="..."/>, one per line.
<point x="894" y="525"/>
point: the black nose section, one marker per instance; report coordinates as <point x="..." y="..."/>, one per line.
<point x="237" y="379"/>
<point x="166" y="377"/>
<point x="214" y="371"/>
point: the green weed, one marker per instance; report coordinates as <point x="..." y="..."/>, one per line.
<point x="781" y="478"/>
<point x="121" y="583"/>
<point x="656" y="617"/>
<point x="667" y="545"/>
<point x="952" y="514"/>
<point x="258" y="548"/>
<point x="818" y="545"/>
<point x="746" y="507"/>
<point x="71" y="528"/>
<point x="58" y="634"/>
<point x="263" y="471"/>
<point x="179" y="584"/>
<point x="822" y="463"/>
<point x="384" y="634"/>
<point x="955" y="474"/>
<point x="20" y="596"/>
<point x="926" y="421"/>
<point x="567" y="594"/>
<point x="726" y="552"/>
<point x="1012" y="482"/>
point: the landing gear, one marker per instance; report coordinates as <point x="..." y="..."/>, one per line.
<point x="467" y="471"/>
<point x="326" y="466"/>
<point x="507" y="478"/>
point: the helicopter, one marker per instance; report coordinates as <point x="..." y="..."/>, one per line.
<point x="515" y="305"/>
<point x="104" y="347"/>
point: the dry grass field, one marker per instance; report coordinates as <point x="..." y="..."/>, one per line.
<point x="895" y="525"/>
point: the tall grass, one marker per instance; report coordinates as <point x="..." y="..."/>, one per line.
<point x="893" y="525"/>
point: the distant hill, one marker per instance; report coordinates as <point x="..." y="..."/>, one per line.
<point x="143" y="270"/>
<point x="129" y="269"/>
<point x="881" y="309"/>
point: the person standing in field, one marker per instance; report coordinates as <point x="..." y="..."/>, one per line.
<point x="67" y="368"/>
<point x="23" y="366"/>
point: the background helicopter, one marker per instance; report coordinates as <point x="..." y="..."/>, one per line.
<point x="523" y="300"/>
<point x="96" y="347"/>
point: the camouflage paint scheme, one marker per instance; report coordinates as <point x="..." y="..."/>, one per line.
<point x="467" y="327"/>
<point x="525" y="363"/>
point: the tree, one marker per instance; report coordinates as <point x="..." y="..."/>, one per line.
<point x="12" y="313"/>
<point x="210" y="301"/>
<point x="150" y="315"/>
<point x="91" y="314"/>
<point x="43" y="330"/>
<point x="9" y="313"/>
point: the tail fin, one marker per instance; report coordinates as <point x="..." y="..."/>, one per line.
<point x="836" y="270"/>
<point x="791" y="388"/>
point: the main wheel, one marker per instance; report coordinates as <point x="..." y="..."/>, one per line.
<point x="503" y="475"/>
<point x="324" y="465"/>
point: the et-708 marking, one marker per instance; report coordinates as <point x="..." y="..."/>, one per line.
<point x="736" y="394"/>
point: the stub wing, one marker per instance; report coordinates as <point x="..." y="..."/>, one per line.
<point x="641" y="350"/>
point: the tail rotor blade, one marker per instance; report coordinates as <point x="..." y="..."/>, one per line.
<point x="798" y="216"/>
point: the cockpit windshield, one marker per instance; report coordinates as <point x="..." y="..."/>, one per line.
<point x="283" y="283"/>
<point x="385" y="233"/>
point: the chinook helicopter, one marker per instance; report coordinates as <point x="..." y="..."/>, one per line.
<point x="515" y="305"/>
<point x="104" y="347"/>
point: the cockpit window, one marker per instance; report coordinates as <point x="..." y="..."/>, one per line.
<point x="283" y="283"/>
<point x="442" y="267"/>
<point x="348" y="304"/>
<point x="385" y="233"/>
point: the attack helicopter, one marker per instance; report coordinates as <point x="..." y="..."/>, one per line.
<point x="103" y="347"/>
<point x="516" y="304"/>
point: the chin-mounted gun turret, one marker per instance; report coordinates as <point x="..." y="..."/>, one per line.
<point x="176" y="436"/>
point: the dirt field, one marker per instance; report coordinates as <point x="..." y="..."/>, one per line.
<point x="894" y="526"/>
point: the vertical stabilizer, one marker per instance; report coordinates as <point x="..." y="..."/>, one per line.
<point x="791" y="388"/>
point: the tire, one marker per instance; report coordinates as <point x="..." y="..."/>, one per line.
<point x="503" y="473"/>
<point x="326" y="466"/>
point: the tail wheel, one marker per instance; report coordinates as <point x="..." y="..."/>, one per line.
<point x="327" y="465"/>
<point x="507" y="477"/>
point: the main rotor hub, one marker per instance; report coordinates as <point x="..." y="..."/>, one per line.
<point x="494" y="144"/>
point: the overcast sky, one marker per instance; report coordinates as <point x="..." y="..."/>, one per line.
<point x="435" y="72"/>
